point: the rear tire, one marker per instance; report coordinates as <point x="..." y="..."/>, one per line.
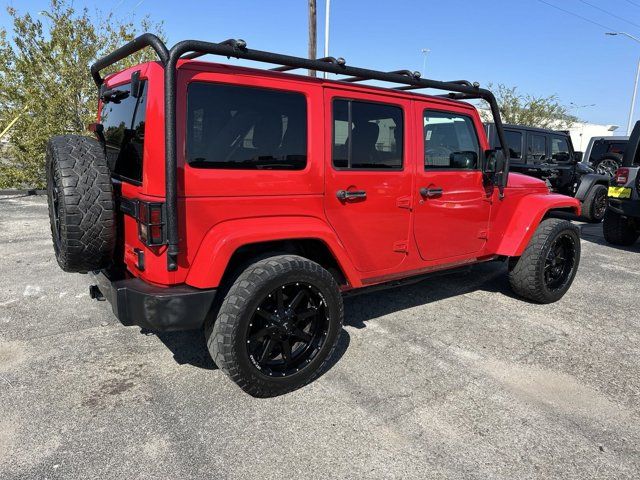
<point x="278" y="301"/>
<point x="595" y="204"/>
<point x="619" y="230"/>
<point x="81" y="203"/>
<point x="608" y="164"/>
<point x="546" y="269"/>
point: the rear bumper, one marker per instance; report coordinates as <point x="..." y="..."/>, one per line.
<point x="628" y="208"/>
<point x="135" y="302"/>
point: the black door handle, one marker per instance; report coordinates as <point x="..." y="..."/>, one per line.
<point x="431" y="192"/>
<point x="344" y="195"/>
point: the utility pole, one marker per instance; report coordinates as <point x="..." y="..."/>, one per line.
<point x="313" y="38"/>
<point x="327" y="10"/>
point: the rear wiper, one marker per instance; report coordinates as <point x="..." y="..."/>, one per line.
<point x="114" y="95"/>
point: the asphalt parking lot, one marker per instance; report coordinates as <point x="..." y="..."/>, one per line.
<point x="449" y="378"/>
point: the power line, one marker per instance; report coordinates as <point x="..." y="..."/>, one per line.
<point x="633" y="3"/>
<point x="609" y="13"/>
<point x="608" y="29"/>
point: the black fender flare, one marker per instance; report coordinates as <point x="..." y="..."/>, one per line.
<point x="587" y="181"/>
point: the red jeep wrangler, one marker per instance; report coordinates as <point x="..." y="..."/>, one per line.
<point x="249" y="201"/>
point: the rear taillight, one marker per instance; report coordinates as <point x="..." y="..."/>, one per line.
<point x="151" y="223"/>
<point x="621" y="176"/>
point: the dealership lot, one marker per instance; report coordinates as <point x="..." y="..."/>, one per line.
<point x="448" y="378"/>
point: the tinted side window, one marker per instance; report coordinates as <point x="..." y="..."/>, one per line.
<point x="123" y="121"/>
<point x="248" y="128"/>
<point x="450" y="141"/>
<point x="559" y="148"/>
<point x="537" y="148"/>
<point x="618" y="148"/>
<point x="514" y="140"/>
<point x="367" y="135"/>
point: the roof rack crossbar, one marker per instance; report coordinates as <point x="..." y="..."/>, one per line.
<point x="335" y="61"/>
<point x="406" y="73"/>
<point x="232" y="42"/>
<point x="237" y="49"/>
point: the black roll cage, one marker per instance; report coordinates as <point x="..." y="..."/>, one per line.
<point x="190" y="49"/>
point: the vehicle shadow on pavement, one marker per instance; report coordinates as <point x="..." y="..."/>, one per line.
<point x="190" y="348"/>
<point x="489" y="277"/>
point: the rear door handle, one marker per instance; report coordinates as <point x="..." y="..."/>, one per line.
<point x="344" y="195"/>
<point x="431" y="192"/>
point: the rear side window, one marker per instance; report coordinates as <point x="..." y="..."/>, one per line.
<point x="245" y="128"/>
<point x="367" y="136"/>
<point x="537" y="147"/>
<point x="450" y="141"/>
<point x="559" y="148"/>
<point x="514" y="140"/>
<point x="123" y="120"/>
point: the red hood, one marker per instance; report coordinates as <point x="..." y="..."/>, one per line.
<point x="518" y="180"/>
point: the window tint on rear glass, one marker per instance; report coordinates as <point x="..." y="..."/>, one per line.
<point x="123" y="121"/>
<point x="367" y="136"/>
<point x="450" y="141"/>
<point x="248" y="128"/>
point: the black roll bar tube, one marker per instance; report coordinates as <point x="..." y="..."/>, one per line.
<point x="135" y="45"/>
<point x="237" y="49"/>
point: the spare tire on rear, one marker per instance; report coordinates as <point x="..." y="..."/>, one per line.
<point x="81" y="203"/>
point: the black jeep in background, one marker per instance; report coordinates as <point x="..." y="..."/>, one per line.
<point x="549" y="155"/>
<point x="604" y="154"/>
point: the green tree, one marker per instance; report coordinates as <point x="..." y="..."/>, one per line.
<point x="45" y="81"/>
<point x="524" y="109"/>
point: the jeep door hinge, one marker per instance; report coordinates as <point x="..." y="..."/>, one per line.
<point x="404" y="202"/>
<point x="482" y="234"/>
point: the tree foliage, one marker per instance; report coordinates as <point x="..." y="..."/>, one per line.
<point x="524" y="109"/>
<point x="45" y="79"/>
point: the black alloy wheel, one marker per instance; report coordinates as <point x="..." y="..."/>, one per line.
<point x="287" y="329"/>
<point x="600" y="205"/>
<point x="560" y="262"/>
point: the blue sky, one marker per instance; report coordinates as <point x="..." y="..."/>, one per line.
<point x="523" y="43"/>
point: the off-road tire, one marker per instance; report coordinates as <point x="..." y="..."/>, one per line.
<point x="619" y="230"/>
<point x="590" y="204"/>
<point x="81" y="203"/>
<point x="526" y="273"/>
<point x="226" y="339"/>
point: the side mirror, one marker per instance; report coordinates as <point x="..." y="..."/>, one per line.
<point x="577" y="156"/>
<point x="494" y="161"/>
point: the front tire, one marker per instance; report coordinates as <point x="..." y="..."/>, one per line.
<point x="619" y="230"/>
<point x="546" y="269"/>
<point x="595" y="205"/>
<point x="277" y="326"/>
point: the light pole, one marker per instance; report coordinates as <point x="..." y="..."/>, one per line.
<point x="425" y="52"/>
<point x="635" y="84"/>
